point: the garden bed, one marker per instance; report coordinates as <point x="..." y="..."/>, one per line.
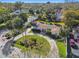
<point x="34" y="43"/>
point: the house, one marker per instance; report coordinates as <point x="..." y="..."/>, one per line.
<point x="54" y="29"/>
<point x="58" y="14"/>
<point x="32" y="18"/>
<point x="76" y="32"/>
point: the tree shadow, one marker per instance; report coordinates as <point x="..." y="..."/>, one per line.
<point x="7" y="48"/>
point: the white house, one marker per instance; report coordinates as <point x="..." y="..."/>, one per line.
<point x="32" y="18"/>
<point x="58" y="14"/>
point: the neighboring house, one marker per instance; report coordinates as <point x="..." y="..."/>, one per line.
<point x="32" y="18"/>
<point x="75" y="49"/>
<point x="76" y="32"/>
<point x="58" y="14"/>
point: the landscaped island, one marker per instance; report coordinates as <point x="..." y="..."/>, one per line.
<point x="35" y="44"/>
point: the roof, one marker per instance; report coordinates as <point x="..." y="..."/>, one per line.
<point x="46" y="26"/>
<point x="55" y="28"/>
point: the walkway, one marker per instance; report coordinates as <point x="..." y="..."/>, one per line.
<point x="3" y="41"/>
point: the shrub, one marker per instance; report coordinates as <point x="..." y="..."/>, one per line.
<point x="36" y="31"/>
<point x="15" y="32"/>
<point x="9" y="24"/>
<point x="17" y="22"/>
<point x="8" y="35"/>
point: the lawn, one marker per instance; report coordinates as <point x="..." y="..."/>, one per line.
<point x="2" y="26"/>
<point x="60" y="23"/>
<point x="62" y="48"/>
<point x="42" y="47"/>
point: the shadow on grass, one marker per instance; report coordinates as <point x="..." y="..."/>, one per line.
<point x="7" y="48"/>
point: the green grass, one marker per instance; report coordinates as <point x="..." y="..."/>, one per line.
<point x="62" y="48"/>
<point x="43" y="51"/>
<point x="60" y="23"/>
<point x="2" y="26"/>
<point x="30" y="31"/>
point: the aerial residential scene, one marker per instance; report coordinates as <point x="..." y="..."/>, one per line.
<point x="39" y="28"/>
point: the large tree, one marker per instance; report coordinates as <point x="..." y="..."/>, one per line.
<point x="24" y="17"/>
<point x="71" y="18"/>
<point x="17" y="22"/>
